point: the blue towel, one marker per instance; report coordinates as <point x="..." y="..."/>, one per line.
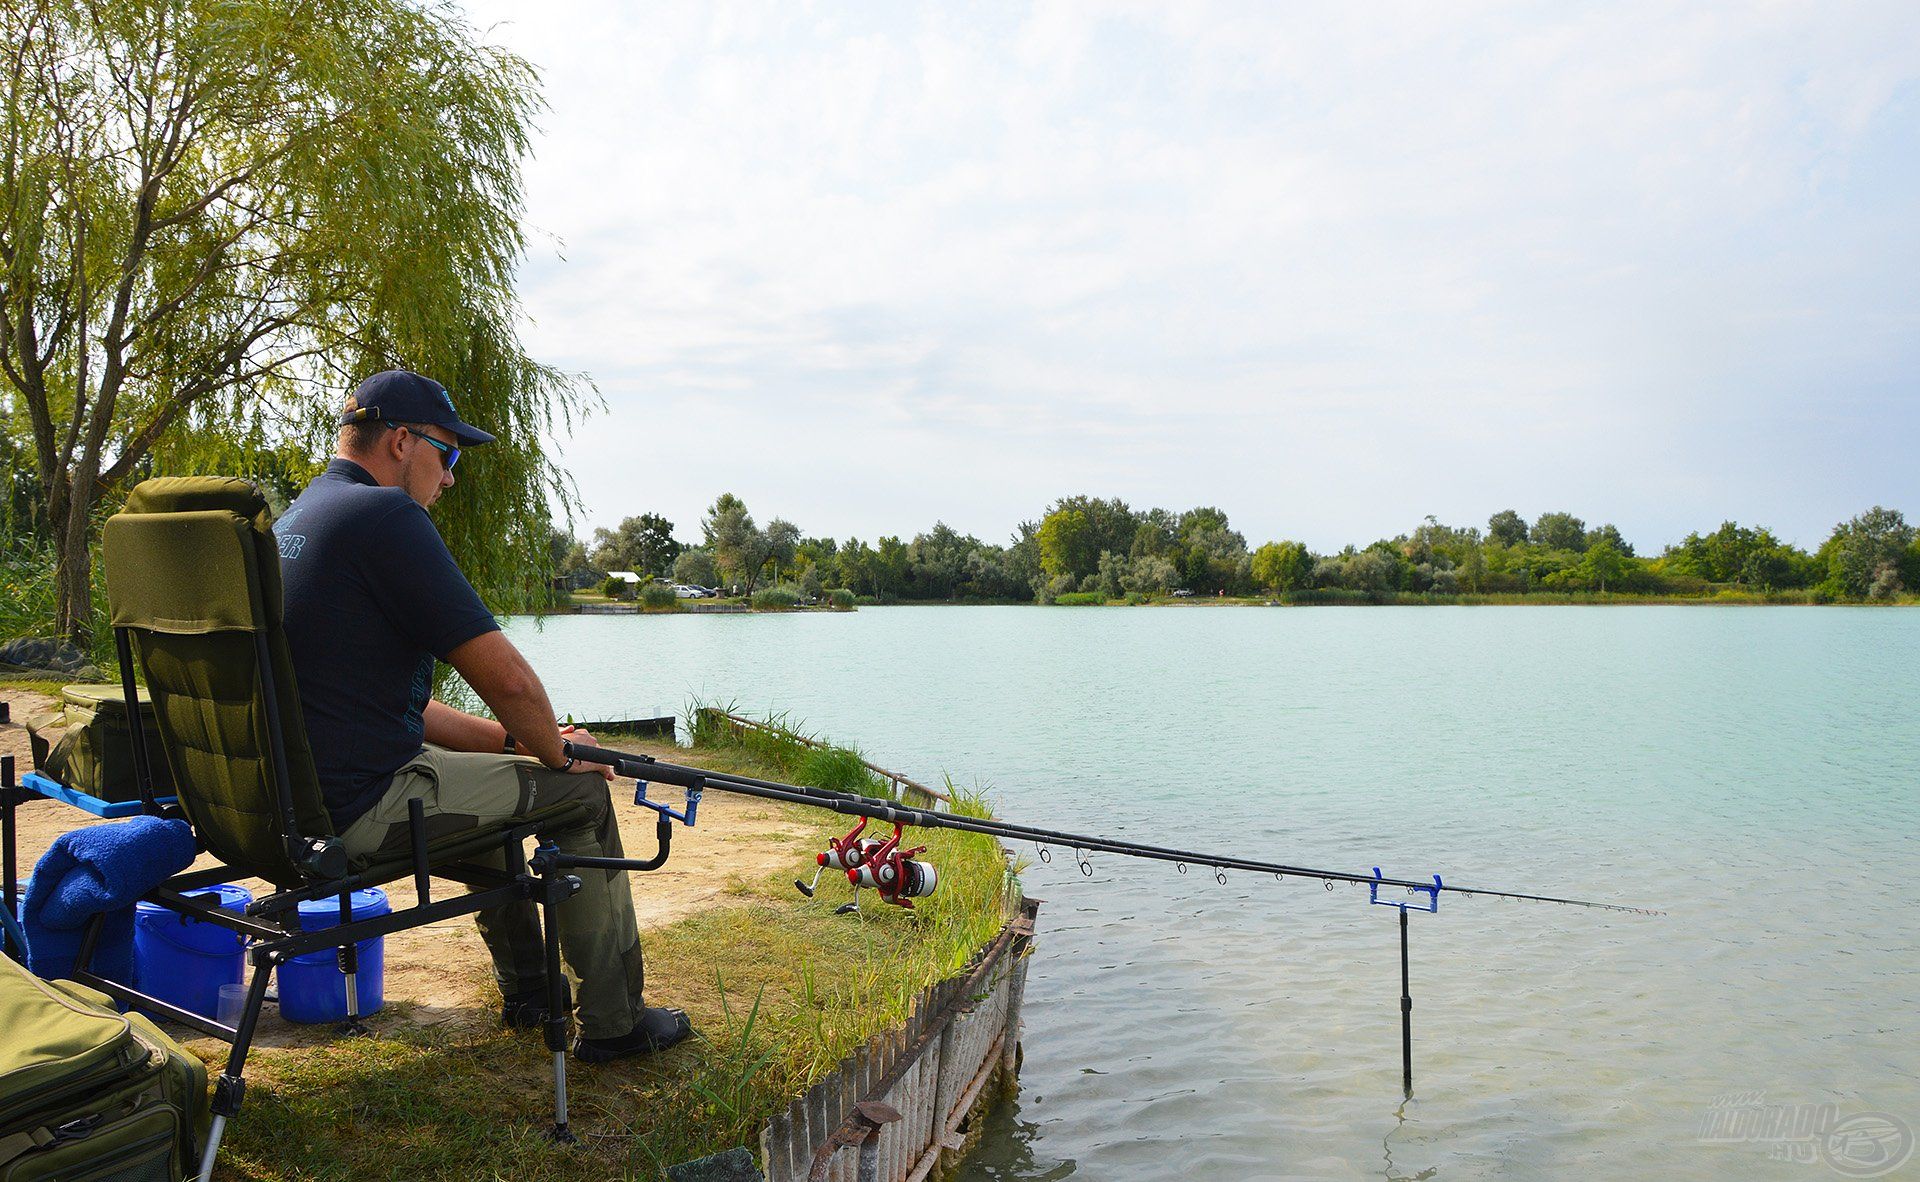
<point x="88" y="871"/>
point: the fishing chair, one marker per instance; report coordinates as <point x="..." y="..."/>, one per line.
<point x="193" y="588"/>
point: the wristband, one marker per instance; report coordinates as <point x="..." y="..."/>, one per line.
<point x="510" y="743"/>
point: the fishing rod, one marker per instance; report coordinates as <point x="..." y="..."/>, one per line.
<point x="888" y="865"/>
<point x="647" y="768"/>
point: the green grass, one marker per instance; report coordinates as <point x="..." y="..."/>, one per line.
<point x="27" y="598"/>
<point x="39" y="683"/>
<point x="789" y="751"/>
<point x="780" y="988"/>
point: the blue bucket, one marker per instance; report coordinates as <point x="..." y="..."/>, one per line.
<point x="312" y="987"/>
<point x="185" y="961"/>
<point x="16" y="937"/>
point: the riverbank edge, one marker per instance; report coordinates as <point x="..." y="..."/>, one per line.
<point x="913" y="1099"/>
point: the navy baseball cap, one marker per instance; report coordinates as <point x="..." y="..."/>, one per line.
<point x="402" y="396"/>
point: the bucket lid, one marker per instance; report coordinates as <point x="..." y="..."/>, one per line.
<point x="325" y="913"/>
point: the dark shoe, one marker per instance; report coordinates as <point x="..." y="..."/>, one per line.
<point x="528" y="1008"/>
<point x="658" y="1030"/>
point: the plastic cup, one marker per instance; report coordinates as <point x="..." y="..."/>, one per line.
<point x="233" y="1003"/>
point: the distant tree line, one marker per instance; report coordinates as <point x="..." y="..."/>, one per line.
<point x="1086" y="549"/>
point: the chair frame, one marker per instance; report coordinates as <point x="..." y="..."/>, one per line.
<point x="272" y="927"/>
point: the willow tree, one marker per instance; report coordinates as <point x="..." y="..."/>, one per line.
<point x="215" y="215"/>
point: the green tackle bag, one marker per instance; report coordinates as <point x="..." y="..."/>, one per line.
<point x="96" y="753"/>
<point x="88" y="1094"/>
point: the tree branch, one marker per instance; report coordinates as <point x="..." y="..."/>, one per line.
<point x="143" y="439"/>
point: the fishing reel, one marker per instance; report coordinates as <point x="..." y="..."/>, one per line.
<point x="880" y="865"/>
<point x="892" y="871"/>
<point x="842" y="854"/>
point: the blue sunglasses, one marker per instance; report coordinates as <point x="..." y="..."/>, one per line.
<point x="449" y="454"/>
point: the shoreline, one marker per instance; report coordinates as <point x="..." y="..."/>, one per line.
<point x="1392" y="599"/>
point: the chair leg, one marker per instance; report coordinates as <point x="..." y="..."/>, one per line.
<point x="231" y="1089"/>
<point x="554" y="888"/>
<point x="350" y="965"/>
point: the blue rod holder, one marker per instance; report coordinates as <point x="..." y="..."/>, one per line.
<point x="1430" y="893"/>
<point x="685" y="816"/>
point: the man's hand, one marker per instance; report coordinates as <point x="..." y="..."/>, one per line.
<point x="580" y="737"/>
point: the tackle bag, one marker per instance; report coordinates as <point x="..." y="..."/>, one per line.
<point x="95" y="755"/>
<point x="88" y="1094"/>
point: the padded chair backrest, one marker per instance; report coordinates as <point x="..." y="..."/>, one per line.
<point x="193" y="574"/>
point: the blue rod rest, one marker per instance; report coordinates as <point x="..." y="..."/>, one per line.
<point x="685" y="816"/>
<point x="1430" y="893"/>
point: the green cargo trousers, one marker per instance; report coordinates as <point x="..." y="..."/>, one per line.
<point x="462" y="790"/>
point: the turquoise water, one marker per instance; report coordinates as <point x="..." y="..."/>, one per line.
<point x="1755" y="772"/>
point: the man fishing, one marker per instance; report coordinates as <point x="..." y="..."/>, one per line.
<point x="373" y="597"/>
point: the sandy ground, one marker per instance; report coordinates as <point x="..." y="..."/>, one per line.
<point x="436" y="967"/>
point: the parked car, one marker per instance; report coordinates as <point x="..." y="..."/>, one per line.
<point x="1183" y="593"/>
<point x="689" y="591"/>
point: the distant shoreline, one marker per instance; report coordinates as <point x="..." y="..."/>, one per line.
<point x="1391" y="599"/>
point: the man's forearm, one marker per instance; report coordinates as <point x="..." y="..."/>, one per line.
<point x="507" y="684"/>
<point x="457" y="730"/>
<point x="528" y="717"/>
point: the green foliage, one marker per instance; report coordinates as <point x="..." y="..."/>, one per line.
<point x="276" y="205"/>
<point x="1559" y="531"/>
<point x="797" y="755"/>
<point x="740" y="548"/>
<point x="642" y="544"/>
<point x="1283" y="567"/>
<point x="1066" y="544"/>
<point x="659" y="597"/>
<point x="1073" y="556"/>
<point x="1080" y="599"/>
<point x="1738" y="555"/>
<point x="27" y="595"/>
<point x="1602" y="567"/>
<point x="778" y="598"/>
<point x="840" y="599"/>
<point x="1507" y="528"/>
<point x="1150" y="574"/>
<point x="1610" y="534"/>
<point x="1077" y="530"/>
<point x="615" y="588"/>
<point x="1377" y="571"/>
<point x="783" y="538"/>
<point x="696" y="567"/>
<point x="838" y="769"/>
<point x="1866" y="555"/>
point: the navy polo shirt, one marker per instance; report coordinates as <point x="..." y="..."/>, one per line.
<point x="372" y="598"/>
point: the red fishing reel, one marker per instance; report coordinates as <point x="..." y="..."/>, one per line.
<point x="842" y="854"/>
<point x="869" y="862"/>
<point x="893" y="872"/>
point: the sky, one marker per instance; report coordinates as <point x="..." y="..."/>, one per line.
<point x="1331" y="268"/>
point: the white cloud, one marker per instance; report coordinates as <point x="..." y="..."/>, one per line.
<point x="1330" y="268"/>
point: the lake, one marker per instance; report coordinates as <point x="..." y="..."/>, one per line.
<point x="1754" y="772"/>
